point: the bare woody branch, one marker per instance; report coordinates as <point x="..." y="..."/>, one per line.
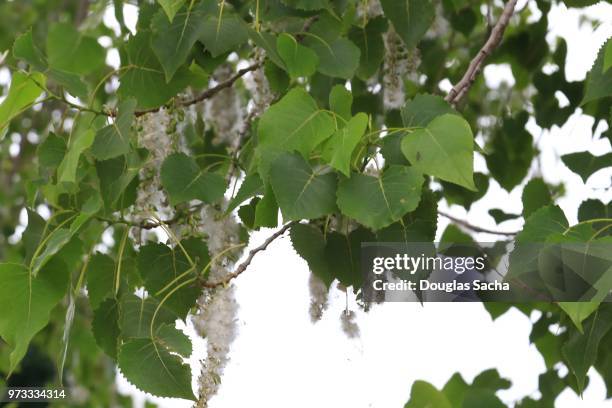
<point x="244" y="265"/>
<point x="462" y="87"/>
<point x="207" y="94"/>
<point x="476" y="228"/>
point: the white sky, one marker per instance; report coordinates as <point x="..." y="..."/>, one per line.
<point x="280" y="359"/>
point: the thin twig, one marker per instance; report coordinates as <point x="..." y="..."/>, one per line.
<point x="461" y="88"/>
<point x="207" y="94"/>
<point x="145" y="224"/>
<point x="476" y="228"/>
<point x="244" y="265"/>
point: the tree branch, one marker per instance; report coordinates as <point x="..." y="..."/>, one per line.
<point x="207" y="94"/>
<point x="462" y="87"/>
<point x="476" y="228"/>
<point x="244" y="265"/>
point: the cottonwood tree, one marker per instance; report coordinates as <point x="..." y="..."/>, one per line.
<point x="145" y="157"/>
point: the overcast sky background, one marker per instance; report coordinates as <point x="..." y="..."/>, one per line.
<point x="281" y="359"/>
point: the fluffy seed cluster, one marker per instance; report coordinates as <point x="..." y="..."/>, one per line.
<point x="161" y="133"/>
<point x="152" y="131"/>
<point x="215" y="318"/>
<point x="318" y="297"/>
<point x="224" y="112"/>
<point x="217" y="322"/>
<point x="395" y="69"/>
<point x="369" y="9"/>
<point x="440" y="26"/>
<point x="258" y="86"/>
<point x="222" y="231"/>
<point x="349" y="326"/>
<point x="400" y="64"/>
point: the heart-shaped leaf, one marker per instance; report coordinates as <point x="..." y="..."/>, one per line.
<point x="379" y="201"/>
<point x="443" y="149"/>
<point x="300" y="61"/>
<point x="301" y="192"/>
<point x="184" y="181"/>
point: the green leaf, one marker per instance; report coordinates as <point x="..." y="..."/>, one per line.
<point x="116" y="175"/>
<point x="184" y="181"/>
<point x="500" y="216"/>
<point x="510" y="152"/>
<point x="268" y="42"/>
<point x="150" y="367"/>
<point x="338" y="150"/>
<point x="55" y="241"/>
<point x="341" y="102"/>
<point x="543" y="223"/>
<point x="223" y="30"/>
<point x="424" y="108"/>
<point x="342" y="255"/>
<point x="100" y="279"/>
<point x="454" y="390"/>
<point x="25" y="50"/>
<point x="424" y="394"/>
<point x="378" y="202"/>
<point x="171" y="7"/>
<point x="369" y="39"/>
<point x="337" y="59"/>
<point x="174" y="340"/>
<point x="26" y="303"/>
<point x="172" y="41"/>
<point x="51" y="152"/>
<point x="266" y="212"/>
<point x="250" y="187"/>
<point x="443" y="149"/>
<point x="23" y="92"/>
<point x="69" y="51"/>
<point x="535" y="195"/>
<point x="491" y="380"/>
<point x="580" y="351"/>
<point x="592" y="209"/>
<point x="80" y="141"/>
<point x="136" y="316"/>
<point x="300" y="61"/>
<point x="309" y="242"/>
<point x="585" y="164"/>
<point x="60" y="237"/>
<point x="478" y="398"/>
<point x="579" y="311"/>
<point x="607" y="64"/>
<point x="301" y="192"/>
<point x="159" y="266"/>
<point x="540" y="225"/>
<point x="307" y="4"/>
<point x="105" y="327"/>
<point x="453" y="235"/>
<point x="33" y="233"/>
<point x="580" y="3"/>
<point x="604" y="364"/>
<point x="455" y="194"/>
<point x="410" y="18"/>
<point x="143" y="77"/>
<point x="293" y="123"/>
<point x="599" y="80"/>
<point x="419" y="225"/>
<point x="114" y="140"/>
<point x="246" y="213"/>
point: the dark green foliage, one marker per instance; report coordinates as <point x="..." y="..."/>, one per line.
<point x="328" y="113"/>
